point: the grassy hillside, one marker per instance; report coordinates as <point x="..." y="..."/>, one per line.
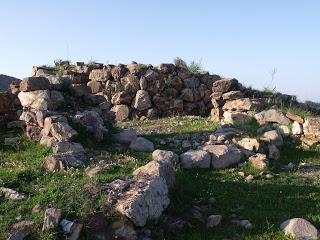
<point x="265" y="202"/>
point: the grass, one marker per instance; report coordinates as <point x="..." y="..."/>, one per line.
<point x="265" y="202"/>
<point x="21" y="171"/>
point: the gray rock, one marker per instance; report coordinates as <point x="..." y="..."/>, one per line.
<point x="125" y="137"/>
<point x="122" y="112"/>
<point x="41" y="99"/>
<point x="141" y="101"/>
<point x="72" y="229"/>
<point x="225" y="85"/>
<point x="300" y="228"/>
<point x="274" y="152"/>
<point x="51" y="218"/>
<point x="250" y="144"/>
<point x="29" y="84"/>
<point x="163" y="155"/>
<point x="12" y="194"/>
<point x="93" y="122"/>
<point x="223" y="156"/>
<point x="242" y="104"/>
<point x="236" y="118"/>
<point x="243" y="223"/>
<point x="187" y="95"/>
<point x="233" y="95"/>
<point x="145" y="200"/>
<point x="283" y="130"/>
<point x="63" y="132"/>
<point x="60" y="83"/>
<point x="68" y="148"/>
<point x="156" y="169"/>
<point x="273" y="137"/>
<point x="195" y="159"/>
<point x="213" y="221"/>
<point x="272" y="116"/>
<point x="186" y="144"/>
<point x="141" y="144"/>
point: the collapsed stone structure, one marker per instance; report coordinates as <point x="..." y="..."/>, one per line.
<point x="94" y="95"/>
<point x="235" y="106"/>
<point x="136" y="90"/>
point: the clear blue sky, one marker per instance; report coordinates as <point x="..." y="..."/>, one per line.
<point x="244" y="39"/>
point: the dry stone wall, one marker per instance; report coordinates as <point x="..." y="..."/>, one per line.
<point x="135" y="90"/>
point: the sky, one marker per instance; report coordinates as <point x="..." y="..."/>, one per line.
<point x="244" y="39"/>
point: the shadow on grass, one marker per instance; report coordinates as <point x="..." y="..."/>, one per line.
<point x="266" y="203"/>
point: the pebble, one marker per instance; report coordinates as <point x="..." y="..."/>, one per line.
<point x="249" y="178"/>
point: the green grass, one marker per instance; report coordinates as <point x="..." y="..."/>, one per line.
<point x="21" y="171"/>
<point x="265" y="202"/>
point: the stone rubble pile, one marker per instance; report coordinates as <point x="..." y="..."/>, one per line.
<point x="134" y="90"/>
<point x="49" y="113"/>
<point x="233" y="105"/>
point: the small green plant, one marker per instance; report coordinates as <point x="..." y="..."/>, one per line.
<point x="195" y="67"/>
<point x="119" y="88"/>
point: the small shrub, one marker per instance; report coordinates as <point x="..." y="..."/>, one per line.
<point x="195" y="67"/>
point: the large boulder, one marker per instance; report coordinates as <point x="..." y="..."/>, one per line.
<point x="145" y="200"/>
<point x="93" y="122"/>
<point x="195" y="159"/>
<point x="156" y="169"/>
<point x="223" y="156"/>
<point x="29" y="84"/>
<point x="311" y="127"/>
<point x="272" y="116"/>
<point x="225" y="85"/>
<point x="300" y="228"/>
<point x="236" y="118"/>
<point x="141" y="101"/>
<point x="243" y="104"/>
<point x="41" y="99"/>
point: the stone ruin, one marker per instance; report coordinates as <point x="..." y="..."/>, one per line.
<point x="49" y="104"/>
